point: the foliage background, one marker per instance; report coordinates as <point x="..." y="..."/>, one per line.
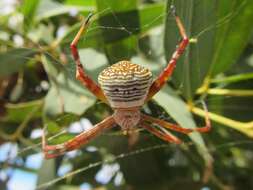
<point x="38" y="89"/>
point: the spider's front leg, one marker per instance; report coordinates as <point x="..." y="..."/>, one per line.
<point x="52" y="151"/>
<point x="91" y="85"/>
<point x="167" y="72"/>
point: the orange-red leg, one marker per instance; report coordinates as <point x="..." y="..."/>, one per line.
<point x="80" y="73"/>
<point x="162" y="134"/>
<point x="166" y="124"/>
<point x="176" y="127"/>
<point x="52" y="151"/>
<point x="167" y="72"/>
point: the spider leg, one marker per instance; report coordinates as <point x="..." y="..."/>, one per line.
<point x="52" y="151"/>
<point x="166" y="124"/>
<point x="167" y="72"/>
<point x="91" y="85"/>
<point x="162" y="134"/>
<point x="178" y="128"/>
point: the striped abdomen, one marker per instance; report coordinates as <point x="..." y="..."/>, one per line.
<point x="125" y="84"/>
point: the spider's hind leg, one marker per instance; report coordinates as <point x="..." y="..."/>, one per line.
<point x="178" y="128"/>
<point x="52" y="151"/>
<point x="162" y="133"/>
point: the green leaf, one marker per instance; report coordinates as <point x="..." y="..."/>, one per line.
<point x="14" y="60"/>
<point x="193" y="65"/>
<point x="80" y="2"/>
<point x="47" y="171"/>
<point x="118" y="16"/>
<point x="221" y="29"/>
<point x="48" y="8"/>
<point x="93" y="37"/>
<point x="233" y="78"/>
<point x="149" y="15"/>
<point x="17" y="112"/>
<point x="68" y="187"/>
<point x="177" y="109"/>
<point x="66" y="94"/>
<point x="29" y="8"/>
<point x="116" y="6"/>
<point x="54" y="129"/>
<point x="233" y="35"/>
<point x="70" y="98"/>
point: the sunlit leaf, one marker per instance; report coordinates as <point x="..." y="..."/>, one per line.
<point x="29" y="8"/>
<point x="49" y="8"/>
<point x="234" y="78"/>
<point x="47" y="171"/>
<point x="177" y="109"/>
<point x="66" y="95"/>
<point x="80" y="2"/>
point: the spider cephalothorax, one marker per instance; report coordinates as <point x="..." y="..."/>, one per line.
<point x="125" y="86"/>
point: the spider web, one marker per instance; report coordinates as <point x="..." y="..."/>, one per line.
<point x="148" y="148"/>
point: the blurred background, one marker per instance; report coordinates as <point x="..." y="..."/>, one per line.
<point x="38" y="90"/>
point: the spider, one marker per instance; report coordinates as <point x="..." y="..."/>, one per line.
<point x="125" y="86"/>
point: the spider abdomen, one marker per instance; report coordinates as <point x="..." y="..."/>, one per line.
<point x="125" y="84"/>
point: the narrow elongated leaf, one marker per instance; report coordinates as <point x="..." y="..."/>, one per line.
<point x="234" y="78"/>
<point x="49" y="8"/>
<point x="150" y="16"/>
<point x="17" y="112"/>
<point x="80" y="2"/>
<point x="177" y="109"/>
<point x="118" y="16"/>
<point x="66" y="94"/>
<point x="221" y="30"/>
<point x="47" y="171"/>
<point x="29" y="8"/>
<point x="116" y="6"/>
<point x="193" y="65"/>
<point x="233" y="35"/>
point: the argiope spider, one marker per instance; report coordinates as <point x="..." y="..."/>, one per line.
<point x="125" y="86"/>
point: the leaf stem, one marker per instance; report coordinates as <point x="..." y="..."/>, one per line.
<point x="234" y="78"/>
<point x="230" y="92"/>
<point x="244" y="127"/>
